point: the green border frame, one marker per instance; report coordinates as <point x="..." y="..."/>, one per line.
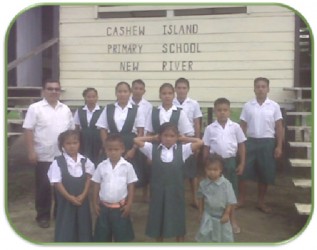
<point x="147" y="244"/>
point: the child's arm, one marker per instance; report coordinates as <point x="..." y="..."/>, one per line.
<point x="127" y="208"/>
<point x="241" y="154"/>
<point x="196" y="143"/>
<point x="206" y="153"/>
<point x="139" y="141"/>
<point x="131" y="153"/>
<point x="84" y="194"/>
<point x="244" y="126"/>
<point x="71" y="198"/>
<point x="95" y="197"/>
<point x="197" y="129"/>
<point x="279" y="131"/>
<point x="226" y="214"/>
<point x="103" y="136"/>
<point x="29" y="139"/>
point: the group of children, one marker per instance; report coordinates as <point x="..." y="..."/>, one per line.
<point x="131" y="143"/>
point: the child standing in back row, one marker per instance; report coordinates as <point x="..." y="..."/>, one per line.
<point x="226" y="138"/>
<point x="71" y="173"/>
<point x="168" y="154"/>
<point x="85" y="119"/>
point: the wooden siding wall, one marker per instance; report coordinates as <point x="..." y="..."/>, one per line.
<point x="227" y="52"/>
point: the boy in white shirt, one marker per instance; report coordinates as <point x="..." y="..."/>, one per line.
<point x="113" y="194"/>
<point x="261" y="121"/>
<point x="226" y="138"/>
<point x="194" y="115"/>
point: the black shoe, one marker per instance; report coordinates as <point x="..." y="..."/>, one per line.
<point x="43" y="223"/>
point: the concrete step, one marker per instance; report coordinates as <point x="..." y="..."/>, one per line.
<point x="303" y="183"/>
<point x="300" y="163"/>
<point x="303" y="209"/>
<point x="300" y="144"/>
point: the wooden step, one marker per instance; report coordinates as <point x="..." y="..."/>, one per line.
<point x="298" y="88"/>
<point x="299" y="100"/>
<point x="18" y="109"/>
<point x="303" y="209"/>
<point x="15" y="121"/>
<point x="302" y="113"/>
<point x="11" y="134"/>
<point x="300" y="163"/>
<point x="300" y="144"/>
<point x="305" y="128"/>
<point x="303" y="183"/>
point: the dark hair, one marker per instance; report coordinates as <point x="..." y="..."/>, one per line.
<point x="168" y="126"/>
<point x="65" y="135"/>
<point x="221" y="100"/>
<point x="116" y="137"/>
<point x="258" y="79"/>
<point x="138" y="81"/>
<point x="181" y="80"/>
<point x="167" y="85"/>
<point x="123" y="83"/>
<point x="49" y="80"/>
<point x="85" y="92"/>
<point x="214" y="158"/>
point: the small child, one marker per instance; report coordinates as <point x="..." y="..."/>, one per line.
<point x="71" y="173"/>
<point x="167" y="200"/>
<point x="216" y="198"/>
<point x="113" y="194"/>
<point x="226" y="138"/>
<point x="85" y="119"/>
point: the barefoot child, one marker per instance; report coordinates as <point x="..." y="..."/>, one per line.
<point x="216" y="198"/>
<point x="71" y="173"/>
<point x="166" y="217"/>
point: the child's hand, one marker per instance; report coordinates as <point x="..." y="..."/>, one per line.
<point x="73" y="199"/>
<point x="239" y="169"/>
<point x="125" y="211"/>
<point x="224" y="218"/>
<point x="80" y="198"/>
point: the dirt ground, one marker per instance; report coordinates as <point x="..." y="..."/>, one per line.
<point x="280" y="226"/>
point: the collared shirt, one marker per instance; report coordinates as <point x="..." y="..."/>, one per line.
<point x="89" y="114"/>
<point x="47" y="123"/>
<point x="184" y="126"/>
<point x="114" y="181"/>
<point x="74" y="168"/>
<point x="217" y="195"/>
<point x="167" y="154"/>
<point x="261" y="119"/>
<point x="143" y="105"/>
<point x="191" y="109"/>
<point x="120" y="115"/>
<point x="223" y="140"/>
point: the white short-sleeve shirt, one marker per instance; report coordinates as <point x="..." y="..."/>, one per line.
<point x="184" y="125"/>
<point x="74" y="168"/>
<point x="191" y="109"/>
<point x="47" y="123"/>
<point x="167" y="154"/>
<point x="114" y="181"/>
<point x="120" y="115"/>
<point x="223" y="140"/>
<point x="89" y="114"/>
<point x="261" y="119"/>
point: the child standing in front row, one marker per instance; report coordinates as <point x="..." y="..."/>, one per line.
<point x="113" y="194"/>
<point x="216" y="198"/>
<point x="85" y="119"/>
<point x="71" y="173"/>
<point x="166" y="217"/>
<point x="226" y="138"/>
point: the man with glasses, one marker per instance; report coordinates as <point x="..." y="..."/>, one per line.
<point x="43" y="123"/>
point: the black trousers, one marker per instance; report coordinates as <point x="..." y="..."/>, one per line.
<point x="43" y="196"/>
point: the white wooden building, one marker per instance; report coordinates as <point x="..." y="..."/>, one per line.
<point x="219" y="48"/>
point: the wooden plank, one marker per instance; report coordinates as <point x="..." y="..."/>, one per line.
<point x="300" y="144"/>
<point x="15" y="121"/>
<point x="298" y="88"/>
<point x="299" y="128"/>
<point x="303" y="113"/>
<point x="303" y="183"/>
<point x="32" y="53"/>
<point x="300" y="163"/>
<point x="77" y="12"/>
<point x="303" y="209"/>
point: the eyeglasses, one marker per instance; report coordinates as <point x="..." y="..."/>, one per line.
<point x="50" y="89"/>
